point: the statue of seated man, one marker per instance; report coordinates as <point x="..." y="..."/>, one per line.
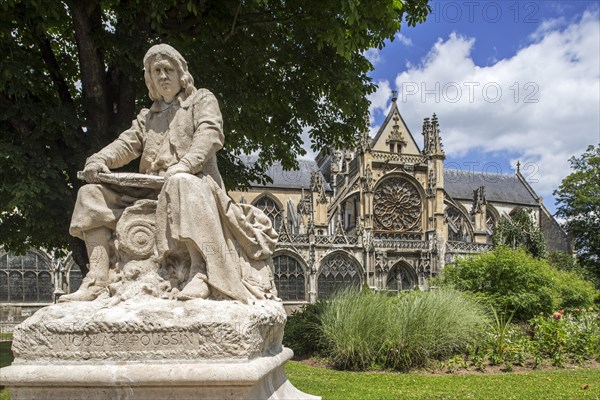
<point x="229" y="245"/>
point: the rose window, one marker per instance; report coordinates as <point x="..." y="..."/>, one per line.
<point x="397" y="206"/>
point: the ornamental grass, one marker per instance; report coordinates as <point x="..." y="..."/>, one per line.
<point x="376" y="330"/>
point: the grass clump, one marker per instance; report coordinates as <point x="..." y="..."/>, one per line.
<point x="375" y="330"/>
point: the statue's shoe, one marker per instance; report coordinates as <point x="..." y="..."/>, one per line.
<point x="88" y="291"/>
<point x="197" y="288"/>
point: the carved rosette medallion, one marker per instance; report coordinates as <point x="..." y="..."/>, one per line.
<point x="397" y="205"/>
<point x="135" y="230"/>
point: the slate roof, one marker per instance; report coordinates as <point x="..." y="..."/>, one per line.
<point x="459" y="184"/>
<point x="295" y="179"/>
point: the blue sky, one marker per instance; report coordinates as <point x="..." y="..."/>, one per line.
<point x="509" y="80"/>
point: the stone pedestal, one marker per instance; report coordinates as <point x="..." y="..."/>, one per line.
<point x="152" y="349"/>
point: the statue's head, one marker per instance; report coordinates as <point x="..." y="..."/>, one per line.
<point x="161" y="52"/>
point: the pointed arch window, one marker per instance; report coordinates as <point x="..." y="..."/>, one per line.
<point x="25" y="279"/>
<point x="336" y="273"/>
<point x="401" y="278"/>
<point x="271" y="209"/>
<point x="351" y="211"/>
<point x="289" y="278"/>
<point x="458" y="226"/>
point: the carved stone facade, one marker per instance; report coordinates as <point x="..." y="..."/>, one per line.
<point x="374" y="215"/>
<point x="385" y="213"/>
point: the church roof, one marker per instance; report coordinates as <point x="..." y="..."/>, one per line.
<point x="459" y="184"/>
<point x="295" y="179"/>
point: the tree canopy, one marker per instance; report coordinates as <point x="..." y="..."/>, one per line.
<point x="578" y="199"/>
<point x="72" y="80"/>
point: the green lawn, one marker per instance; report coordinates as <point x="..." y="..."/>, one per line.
<point x="538" y="385"/>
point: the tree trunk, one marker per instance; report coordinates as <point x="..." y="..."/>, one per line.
<point x="87" y="20"/>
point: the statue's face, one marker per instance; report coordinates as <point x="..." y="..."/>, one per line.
<point x="166" y="79"/>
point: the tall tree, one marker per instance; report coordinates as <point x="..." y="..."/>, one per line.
<point x="72" y="80"/>
<point x="520" y="230"/>
<point x="578" y="199"/>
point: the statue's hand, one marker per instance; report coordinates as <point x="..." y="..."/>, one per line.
<point x="91" y="171"/>
<point x="176" y="169"/>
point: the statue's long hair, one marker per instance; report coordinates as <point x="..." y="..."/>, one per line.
<point x="165" y="51"/>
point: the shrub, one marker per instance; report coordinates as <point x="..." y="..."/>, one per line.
<point x="573" y="291"/>
<point x="506" y="279"/>
<point x="364" y="331"/>
<point x="302" y="331"/>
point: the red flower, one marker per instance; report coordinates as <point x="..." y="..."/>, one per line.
<point x="557" y="315"/>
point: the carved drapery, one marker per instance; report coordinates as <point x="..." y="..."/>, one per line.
<point x="397" y="206"/>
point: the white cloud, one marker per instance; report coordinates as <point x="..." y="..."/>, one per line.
<point x="542" y="104"/>
<point x="373" y="55"/>
<point x="380" y="98"/>
<point x="548" y="26"/>
<point x="404" y="39"/>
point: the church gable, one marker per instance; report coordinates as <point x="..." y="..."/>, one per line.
<point x="394" y="136"/>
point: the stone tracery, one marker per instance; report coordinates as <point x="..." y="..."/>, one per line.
<point x="397" y="205"/>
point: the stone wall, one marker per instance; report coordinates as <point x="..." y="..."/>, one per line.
<point x="556" y="238"/>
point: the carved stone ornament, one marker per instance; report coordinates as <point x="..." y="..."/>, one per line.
<point x="381" y="262"/>
<point x="369" y="181"/>
<point x="397" y="205"/>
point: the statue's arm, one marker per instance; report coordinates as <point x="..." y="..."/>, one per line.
<point x="208" y="133"/>
<point x="127" y="147"/>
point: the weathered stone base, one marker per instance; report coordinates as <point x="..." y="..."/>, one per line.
<point x="260" y="378"/>
<point x="146" y="328"/>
